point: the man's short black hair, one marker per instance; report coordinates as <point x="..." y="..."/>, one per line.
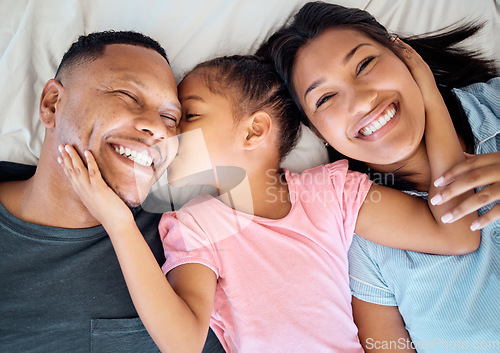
<point x="90" y="47"/>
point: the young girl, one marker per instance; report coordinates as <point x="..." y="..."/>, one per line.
<point x="266" y="265"/>
<point x="333" y="57"/>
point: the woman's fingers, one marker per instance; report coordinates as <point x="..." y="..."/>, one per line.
<point x="471" y="162"/>
<point x="470" y="180"/>
<point x="478" y="200"/>
<point x="475" y="172"/>
<point x="489" y="217"/>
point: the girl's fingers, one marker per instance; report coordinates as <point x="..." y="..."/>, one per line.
<point x="73" y="165"/>
<point x="92" y="165"/>
<point x="65" y="160"/>
<point x="78" y="165"/>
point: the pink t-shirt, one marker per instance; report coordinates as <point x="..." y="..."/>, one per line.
<point x="282" y="284"/>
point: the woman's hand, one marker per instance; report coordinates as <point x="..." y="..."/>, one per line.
<point x="476" y="171"/>
<point x="421" y="73"/>
<point x="101" y="201"/>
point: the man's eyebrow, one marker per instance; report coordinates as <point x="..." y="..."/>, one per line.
<point x="125" y="77"/>
<point x="353" y="51"/>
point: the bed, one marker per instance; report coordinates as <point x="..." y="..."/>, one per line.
<point x="35" y="34"/>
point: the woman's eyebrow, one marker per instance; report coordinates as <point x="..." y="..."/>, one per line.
<point x="346" y="60"/>
<point x="353" y="51"/>
<point x="313" y="86"/>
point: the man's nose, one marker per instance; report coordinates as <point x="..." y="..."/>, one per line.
<point x="151" y="123"/>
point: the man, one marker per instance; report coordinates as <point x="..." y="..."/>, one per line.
<point x="61" y="287"/>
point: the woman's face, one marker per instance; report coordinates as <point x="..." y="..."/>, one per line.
<point x="360" y="97"/>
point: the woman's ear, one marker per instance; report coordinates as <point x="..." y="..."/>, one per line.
<point x="257" y="129"/>
<point x="48" y="102"/>
<point x="317" y="133"/>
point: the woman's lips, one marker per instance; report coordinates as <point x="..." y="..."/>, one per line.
<point x="377" y="124"/>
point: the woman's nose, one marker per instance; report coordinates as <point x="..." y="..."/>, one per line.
<point x="363" y="100"/>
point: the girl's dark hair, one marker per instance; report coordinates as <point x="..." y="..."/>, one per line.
<point x="252" y="84"/>
<point x="452" y="66"/>
<point x="90" y="47"/>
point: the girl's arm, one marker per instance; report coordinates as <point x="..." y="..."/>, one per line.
<point x="380" y="328"/>
<point x="397" y="220"/>
<point x="176" y="315"/>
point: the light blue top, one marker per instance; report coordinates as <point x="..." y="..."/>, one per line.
<point x="448" y="303"/>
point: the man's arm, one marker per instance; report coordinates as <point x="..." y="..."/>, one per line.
<point x="380" y="328"/>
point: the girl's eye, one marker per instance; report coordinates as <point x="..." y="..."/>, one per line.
<point x="362" y="65"/>
<point x="190" y="116"/>
<point x="323" y="99"/>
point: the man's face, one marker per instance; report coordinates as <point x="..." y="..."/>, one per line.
<point x="123" y="107"/>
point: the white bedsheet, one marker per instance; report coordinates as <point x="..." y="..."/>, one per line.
<point x="35" y="34"/>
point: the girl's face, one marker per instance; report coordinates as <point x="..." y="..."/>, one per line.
<point x="208" y="132"/>
<point x="360" y="97"/>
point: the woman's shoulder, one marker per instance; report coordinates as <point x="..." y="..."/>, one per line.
<point x="481" y="103"/>
<point x="490" y="88"/>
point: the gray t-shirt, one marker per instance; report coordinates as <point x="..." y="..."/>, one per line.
<point x="62" y="290"/>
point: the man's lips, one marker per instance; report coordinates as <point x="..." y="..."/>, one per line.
<point x="142" y="155"/>
<point x="136" y="156"/>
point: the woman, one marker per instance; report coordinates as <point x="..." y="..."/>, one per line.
<point x="335" y="63"/>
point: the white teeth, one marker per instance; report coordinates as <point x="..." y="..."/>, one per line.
<point x="137" y="157"/>
<point x="381" y="121"/>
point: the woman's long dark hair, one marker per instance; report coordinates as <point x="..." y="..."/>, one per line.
<point x="452" y="66"/>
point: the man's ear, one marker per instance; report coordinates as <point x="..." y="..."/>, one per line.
<point x="48" y="102"/>
<point x="257" y="128"/>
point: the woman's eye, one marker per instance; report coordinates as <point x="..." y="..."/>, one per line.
<point x="323" y="99"/>
<point x="362" y="65"/>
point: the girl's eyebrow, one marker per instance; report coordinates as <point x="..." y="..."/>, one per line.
<point x="195" y="97"/>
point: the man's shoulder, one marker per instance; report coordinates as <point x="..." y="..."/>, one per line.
<point x="10" y="171"/>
